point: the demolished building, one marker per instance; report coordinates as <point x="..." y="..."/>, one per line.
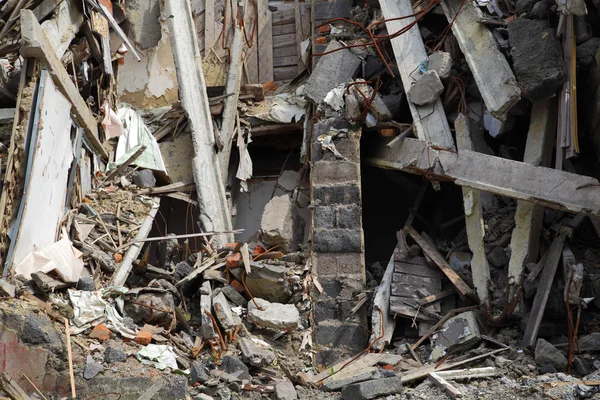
<point x="290" y="199"/>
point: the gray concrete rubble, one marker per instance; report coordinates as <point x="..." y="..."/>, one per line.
<point x="547" y="354"/>
<point x="255" y="353"/>
<point x="269" y="282"/>
<point x="426" y="89"/>
<point x="459" y="333"/>
<point x="440" y="62"/>
<point x="144" y="178"/>
<point x="284" y="390"/>
<point x="280" y="225"/>
<point x="275" y="316"/>
<point x="373" y="389"/>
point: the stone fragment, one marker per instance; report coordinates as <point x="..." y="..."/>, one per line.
<point x="590" y="343"/>
<point x="235" y="367"/>
<point x="288" y="180"/>
<point x="198" y="373"/>
<point x="279" y="224"/>
<point x="459" y="333"/>
<point x="497" y="257"/>
<point x="276" y="316"/>
<point x="343" y="379"/>
<point x="182" y="270"/>
<point x="440" y="62"/>
<point x="167" y="249"/>
<point x="426" y="90"/>
<point x="100" y="332"/>
<point x="541" y="10"/>
<point x="268" y="282"/>
<point x="586" y="52"/>
<point x="7" y="289"/>
<point x="285" y="390"/>
<point x="373" y="389"/>
<point x="254" y="354"/>
<point x="159" y="300"/>
<point x="232" y="294"/>
<point x="331" y="70"/>
<point x="113" y="355"/>
<point x="144" y="178"/>
<point x="223" y="312"/>
<point x="546" y="353"/>
<point x="537" y="57"/>
<point x="92" y="368"/>
<point x="86" y="283"/>
<point x="208" y="330"/>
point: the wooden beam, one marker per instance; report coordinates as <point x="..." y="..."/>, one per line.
<point x="298" y="21"/>
<point x="265" y="42"/>
<point x="543" y="290"/>
<point x="551" y="188"/>
<point x="475" y="226"/>
<point x="429" y="120"/>
<point x="461" y="287"/>
<point x="493" y="76"/>
<point x="209" y="26"/>
<point x="35" y="44"/>
<point x="117" y="171"/>
<point x="443" y="384"/>
<point x="232" y="86"/>
<point x="383" y="329"/>
<point x="525" y="239"/>
<point x="214" y="210"/>
<point x="12" y="388"/>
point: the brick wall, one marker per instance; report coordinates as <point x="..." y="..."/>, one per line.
<point x="337" y="245"/>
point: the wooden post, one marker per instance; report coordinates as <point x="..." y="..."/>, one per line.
<point x="214" y="212"/>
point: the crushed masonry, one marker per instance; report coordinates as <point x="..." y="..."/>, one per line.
<point x="299" y="200"/>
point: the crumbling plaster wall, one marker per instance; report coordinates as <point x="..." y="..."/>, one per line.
<point x="338" y="245"/>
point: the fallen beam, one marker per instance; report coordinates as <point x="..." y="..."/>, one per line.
<point x="383" y="324"/>
<point x="429" y="120"/>
<point x="525" y="239"/>
<point x="475" y="226"/>
<point x="35" y="44"/>
<point x="493" y="76"/>
<point x="551" y="188"/>
<point x="214" y="210"/>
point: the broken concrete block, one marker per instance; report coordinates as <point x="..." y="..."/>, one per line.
<point x="223" y="312"/>
<point x="144" y="178"/>
<point x="254" y="354"/>
<point x="498" y="257"/>
<point x="440" y="62"/>
<point x="279" y="225"/>
<point x="426" y="90"/>
<point x="288" y="180"/>
<point x="7" y="289"/>
<point x="113" y="355"/>
<point x="590" y="342"/>
<point x="232" y="294"/>
<point x="268" y="282"/>
<point x="235" y="367"/>
<point x="459" y="333"/>
<point x="586" y="52"/>
<point x="86" y="283"/>
<point x="284" y="317"/>
<point x="144" y="17"/>
<point x="344" y="378"/>
<point x="537" y="57"/>
<point x="92" y="368"/>
<point x="285" y="390"/>
<point x="546" y="353"/>
<point x="373" y="389"/>
<point x="198" y="373"/>
<point x="208" y="330"/>
<point x="331" y="70"/>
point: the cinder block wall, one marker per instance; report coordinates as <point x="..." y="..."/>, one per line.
<point x="337" y="246"/>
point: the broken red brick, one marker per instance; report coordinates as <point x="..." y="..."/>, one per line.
<point x="258" y="250"/>
<point x="389" y="367"/>
<point x="118" y="257"/>
<point x="234" y="260"/>
<point x="325" y="29"/>
<point x="321" y="40"/>
<point x="143" y="337"/>
<point x="388" y="132"/>
<point x="237" y="285"/>
<point x="101" y="332"/>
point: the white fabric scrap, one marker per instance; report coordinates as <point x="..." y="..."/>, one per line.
<point x="335" y="98"/>
<point x="159" y="355"/>
<point x="244" y="171"/>
<point x="113" y="127"/>
<point x="60" y="257"/>
<point x="136" y="134"/>
<point x="327" y="143"/>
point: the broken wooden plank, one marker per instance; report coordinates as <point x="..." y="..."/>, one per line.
<point x="461" y="287"/>
<point x="436" y="297"/>
<point x="485" y="60"/>
<point x="410" y="291"/>
<point x="214" y="211"/>
<point x="122" y="272"/>
<point x="251" y="58"/>
<point x="429" y="120"/>
<point x="284" y="29"/>
<point x="209" y="26"/>
<point x="525" y="239"/>
<point x="173" y="187"/>
<point x="265" y="42"/>
<point x="35" y="44"/>
<point x="474" y="218"/>
<point x="443" y="384"/>
<point x="117" y="171"/>
<point x="383" y="324"/>
<point x="423" y="270"/>
<point x="283" y="17"/>
<point x="471" y="373"/>
<point x="543" y="290"/>
<point x="405" y="279"/>
<point x="12" y="388"/>
<point x="551" y="188"/>
<point x="47" y="283"/>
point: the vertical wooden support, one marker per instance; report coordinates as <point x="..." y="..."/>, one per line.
<point x="265" y="42"/>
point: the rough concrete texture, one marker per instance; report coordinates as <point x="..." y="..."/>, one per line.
<point x="537" y="57"/>
<point x="440" y="62"/>
<point x="131" y="388"/>
<point x="208" y="330"/>
<point x="235" y="367"/>
<point x="459" y="333"/>
<point x="7" y="289"/>
<point x="144" y="178"/>
<point x="92" y="368"/>
<point x="427" y="89"/>
<point x="586" y="52"/>
<point x="279" y="225"/>
<point x="223" y="312"/>
<point x="373" y="389"/>
<point x="590" y="342"/>
<point x="145" y="24"/>
<point x="284" y="317"/>
<point x="113" y="355"/>
<point x="268" y="282"/>
<point x="159" y="300"/>
<point x="198" y="373"/>
<point x="331" y="70"/>
<point x="288" y="181"/>
<point x="235" y="296"/>
<point x="255" y="354"/>
<point x="343" y="379"/>
<point x="546" y="353"/>
<point x="285" y="390"/>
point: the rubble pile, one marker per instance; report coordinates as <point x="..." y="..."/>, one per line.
<point x="299" y="200"/>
